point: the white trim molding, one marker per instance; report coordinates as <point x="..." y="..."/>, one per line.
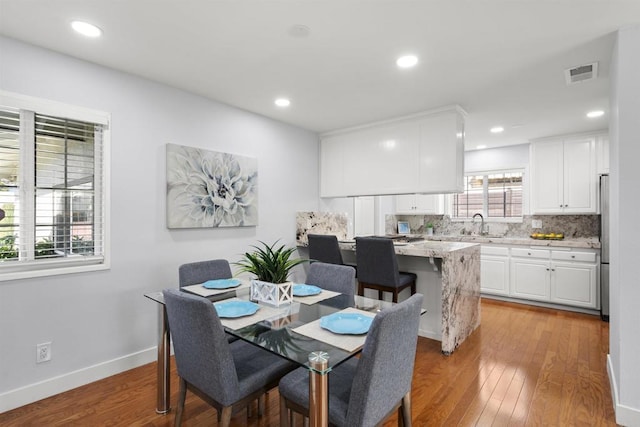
<point x="625" y="415"/>
<point x="33" y="392"/>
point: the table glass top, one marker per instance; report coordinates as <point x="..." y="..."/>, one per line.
<point x="276" y="333"/>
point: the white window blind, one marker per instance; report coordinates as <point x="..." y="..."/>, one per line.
<point x="52" y="194"/>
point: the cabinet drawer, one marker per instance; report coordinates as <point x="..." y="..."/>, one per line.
<point x="494" y="250"/>
<point x="530" y="253"/>
<point x="573" y="256"/>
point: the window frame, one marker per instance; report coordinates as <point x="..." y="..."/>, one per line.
<point x="23" y="269"/>
<point x="485" y="197"/>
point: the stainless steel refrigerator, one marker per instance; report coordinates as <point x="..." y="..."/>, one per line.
<point x="604" y="242"/>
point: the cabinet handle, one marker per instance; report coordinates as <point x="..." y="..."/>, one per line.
<point x="560" y="205"/>
<point x="528" y="253"/>
<point x="547" y="269"/>
<point x="566" y="206"/>
<point x="573" y="256"/>
<point x="553" y="269"/>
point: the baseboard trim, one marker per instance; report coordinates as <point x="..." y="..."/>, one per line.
<point x="33" y="392"/>
<point x="625" y="415"/>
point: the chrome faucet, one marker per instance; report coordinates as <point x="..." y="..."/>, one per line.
<point x="481" y="223"/>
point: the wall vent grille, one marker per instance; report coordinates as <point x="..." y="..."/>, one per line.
<point x="581" y="73"/>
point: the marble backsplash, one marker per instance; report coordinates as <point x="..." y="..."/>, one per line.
<point x="320" y="223"/>
<point x="573" y="226"/>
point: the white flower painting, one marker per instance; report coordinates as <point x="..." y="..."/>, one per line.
<point x="208" y="189"/>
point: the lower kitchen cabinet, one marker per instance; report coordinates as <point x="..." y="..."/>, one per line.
<point x="530" y="279"/>
<point x="574" y="284"/>
<point x="494" y="270"/>
<point x="561" y="276"/>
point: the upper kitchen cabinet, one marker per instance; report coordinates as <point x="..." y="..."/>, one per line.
<point x="422" y="153"/>
<point x="427" y="204"/>
<point x="602" y="154"/>
<point x="563" y="176"/>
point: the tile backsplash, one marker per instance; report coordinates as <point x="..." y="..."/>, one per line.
<point x="573" y="226"/>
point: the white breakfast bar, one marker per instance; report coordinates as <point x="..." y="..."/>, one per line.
<point x="448" y="277"/>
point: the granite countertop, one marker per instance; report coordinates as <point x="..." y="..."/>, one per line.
<point x="427" y="249"/>
<point x="585" y="242"/>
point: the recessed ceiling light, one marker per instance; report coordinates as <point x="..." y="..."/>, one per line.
<point x="86" y="29"/>
<point x="594" y="114"/>
<point x="481" y="147"/>
<point x="282" y="102"/>
<point x="407" y="61"/>
<point x="496" y="129"/>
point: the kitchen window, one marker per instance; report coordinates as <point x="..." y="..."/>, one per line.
<point x="493" y="194"/>
<point x="53" y="190"/>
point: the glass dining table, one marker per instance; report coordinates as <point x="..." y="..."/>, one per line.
<point x="291" y="331"/>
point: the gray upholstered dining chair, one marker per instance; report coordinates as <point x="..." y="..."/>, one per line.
<point x="228" y="376"/>
<point x="378" y="268"/>
<point x="324" y="248"/>
<point x="367" y="390"/>
<point x="332" y="277"/>
<point x="201" y="271"/>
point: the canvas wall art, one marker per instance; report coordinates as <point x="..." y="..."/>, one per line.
<point x="209" y="189"/>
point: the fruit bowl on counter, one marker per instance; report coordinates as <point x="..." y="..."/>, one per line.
<point x="547" y="236"/>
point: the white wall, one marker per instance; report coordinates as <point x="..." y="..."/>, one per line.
<point x="624" y="340"/>
<point x="510" y="157"/>
<point x="103" y="318"/>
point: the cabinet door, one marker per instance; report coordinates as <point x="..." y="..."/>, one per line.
<point x="579" y="176"/>
<point x="429" y="203"/>
<point x="494" y="275"/>
<point x="406" y="203"/>
<point x="547" y="177"/>
<point x="530" y="279"/>
<point x="574" y="284"/>
<point x="602" y="154"/>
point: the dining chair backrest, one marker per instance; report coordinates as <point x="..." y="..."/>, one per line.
<point x="197" y="332"/>
<point x="332" y="277"/>
<point x="385" y="369"/>
<point x="377" y="262"/>
<point x="324" y="248"/>
<point x="201" y="271"/>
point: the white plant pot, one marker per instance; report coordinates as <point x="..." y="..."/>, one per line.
<point x="275" y="294"/>
<point x="430" y="231"/>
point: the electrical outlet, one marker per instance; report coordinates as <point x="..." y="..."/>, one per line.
<point x="536" y="223"/>
<point x="43" y="352"/>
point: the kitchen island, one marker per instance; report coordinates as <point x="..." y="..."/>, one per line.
<point x="448" y="277"/>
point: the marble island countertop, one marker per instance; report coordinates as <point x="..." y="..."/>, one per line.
<point x="426" y="248"/>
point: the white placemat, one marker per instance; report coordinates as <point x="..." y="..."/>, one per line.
<point x="312" y="299"/>
<point x="264" y="312"/>
<point x="199" y="289"/>
<point x="346" y="342"/>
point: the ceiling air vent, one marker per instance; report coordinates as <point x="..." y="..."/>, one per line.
<point x="582" y="73"/>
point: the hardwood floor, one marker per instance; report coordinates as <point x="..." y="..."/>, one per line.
<point x="524" y="366"/>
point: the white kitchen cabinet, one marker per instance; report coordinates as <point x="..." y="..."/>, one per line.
<point x="428" y="204"/>
<point x="530" y="279"/>
<point x="602" y="154"/>
<point x="494" y="269"/>
<point x="563" y="176"/>
<point x="567" y="277"/>
<point x="574" y="278"/>
<point x="423" y="153"/>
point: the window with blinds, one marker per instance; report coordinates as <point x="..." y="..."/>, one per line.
<point x="493" y="194"/>
<point x="51" y="192"/>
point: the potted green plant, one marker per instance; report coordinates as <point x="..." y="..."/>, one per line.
<point x="429" y="229"/>
<point x="271" y="265"/>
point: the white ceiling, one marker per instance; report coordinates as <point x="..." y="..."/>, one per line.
<point x="501" y="60"/>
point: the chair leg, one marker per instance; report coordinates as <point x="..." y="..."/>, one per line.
<point x="181" y="398"/>
<point x="395" y="295"/>
<point x="413" y="287"/>
<point x="380" y="295"/>
<point x="284" y="413"/>
<point x="226" y="417"/>
<point x="261" y="405"/>
<point x="406" y="410"/>
<point x="360" y="289"/>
